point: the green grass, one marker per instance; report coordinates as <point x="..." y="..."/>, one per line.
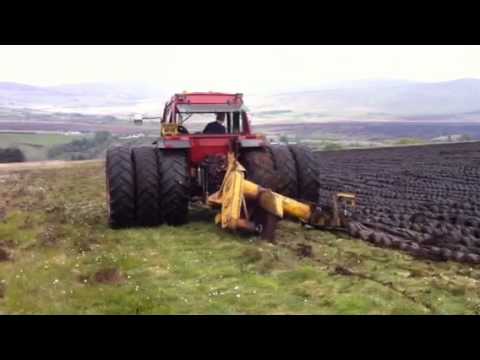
<point x="408" y="141"/>
<point x="35" y="146"/>
<point x="54" y="229"/>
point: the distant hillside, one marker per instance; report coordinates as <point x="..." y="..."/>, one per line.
<point x="71" y="96"/>
<point x="388" y="99"/>
<point x="383" y="99"/>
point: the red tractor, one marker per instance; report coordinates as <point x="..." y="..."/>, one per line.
<point x="154" y="184"/>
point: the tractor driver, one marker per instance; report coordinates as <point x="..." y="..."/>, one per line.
<point x="216" y="127"/>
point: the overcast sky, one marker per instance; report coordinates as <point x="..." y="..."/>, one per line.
<point x="235" y="68"/>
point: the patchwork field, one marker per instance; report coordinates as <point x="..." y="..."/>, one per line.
<point x="35" y="146"/>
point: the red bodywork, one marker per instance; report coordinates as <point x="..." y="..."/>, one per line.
<point x="202" y="145"/>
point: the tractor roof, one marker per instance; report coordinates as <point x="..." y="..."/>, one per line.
<point x="199" y="98"/>
<point x="210" y="108"/>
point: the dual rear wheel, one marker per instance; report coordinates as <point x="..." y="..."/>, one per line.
<point x="290" y="170"/>
<point x="147" y="186"/>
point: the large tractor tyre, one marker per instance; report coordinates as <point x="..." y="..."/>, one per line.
<point x="308" y="174"/>
<point x="147" y="186"/>
<point x="174" y="186"/>
<point x="284" y="162"/>
<point x="120" y="179"/>
<point x="260" y="168"/>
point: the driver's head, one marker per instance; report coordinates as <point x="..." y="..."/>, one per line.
<point x="221" y="117"/>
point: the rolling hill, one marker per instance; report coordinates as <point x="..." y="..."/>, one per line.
<point x="357" y="100"/>
<point x="387" y="100"/>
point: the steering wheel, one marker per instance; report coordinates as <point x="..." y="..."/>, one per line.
<point x="182" y="129"/>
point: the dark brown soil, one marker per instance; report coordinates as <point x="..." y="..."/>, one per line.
<point x="10" y="244"/>
<point x="424" y="200"/>
<point x="340" y="270"/>
<point x="304" y="250"/>
<point x="5" y="255"/>
<point x="50" y="237"/>
<point x="27" y="224"/>
<point x="109" y="276"/>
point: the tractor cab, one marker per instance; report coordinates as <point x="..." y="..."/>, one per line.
<point x="186" y="116"/>
<point x="190" y="113"/>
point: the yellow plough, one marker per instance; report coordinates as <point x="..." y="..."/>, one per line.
<point x="241" y="201"/>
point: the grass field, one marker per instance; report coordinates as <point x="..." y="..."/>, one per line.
<point x="57" y="256"/>
<point x="35" y="146"/>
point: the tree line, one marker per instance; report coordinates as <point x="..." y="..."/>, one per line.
<point x="9" y="155"/>
<point x="81" y="149"/>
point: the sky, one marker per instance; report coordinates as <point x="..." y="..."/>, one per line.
<point x="235" y="68"/>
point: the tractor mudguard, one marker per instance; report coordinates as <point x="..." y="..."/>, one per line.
<point x="173" y="144"/>
<point x="251" y="143"/>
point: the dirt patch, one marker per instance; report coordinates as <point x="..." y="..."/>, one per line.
<point x="84" y="244"/>
<point x="110" y="276"/>
<point x="56" y="213"/>
<point x="52" y="164"/>
<point x="340" y="270"/>
<point x="10" y="244"/>
<point x="304" y="250"/>
<point x="3" y="289"/>
<point x="5" y="255"/>
<point x="50" y="237"/>
<point x="27" y="223"/>
<point x="251" y="255"/>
